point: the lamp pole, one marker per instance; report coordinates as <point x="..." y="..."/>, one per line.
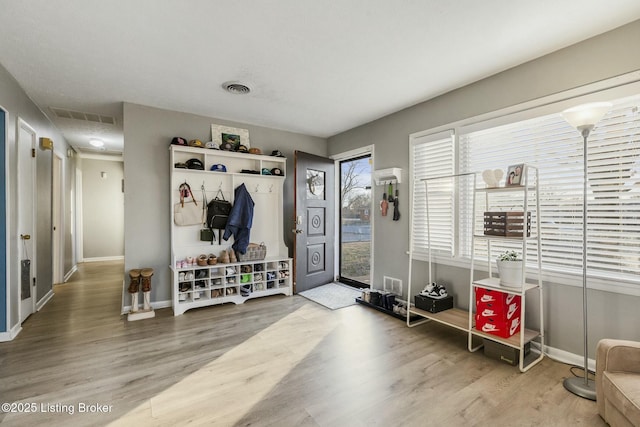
<point x="584" y="119"/>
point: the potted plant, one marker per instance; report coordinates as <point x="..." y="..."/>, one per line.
<point x="510" y="269"/>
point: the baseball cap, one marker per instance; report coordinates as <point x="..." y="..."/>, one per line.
<point x="266" y="171"/>
<point x="196" y="143"/>
<point x="218" y="167"/>
<point x="195" y="164"/>
<point x="177" y="140"/>
<point x="276" y="171"/>
<point x="227" y="146"/>
<point x="277" y="153"/>
<point x="212" y="145"/>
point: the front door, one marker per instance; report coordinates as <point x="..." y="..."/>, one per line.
<point x="314" y="221"/>
<point x="26" y="215"/>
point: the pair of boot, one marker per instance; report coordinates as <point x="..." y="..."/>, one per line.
<point x="140" y="276"/>
<point x="228" y="256"/>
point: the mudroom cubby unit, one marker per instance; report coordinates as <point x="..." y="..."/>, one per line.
<point x="215" y="282"/>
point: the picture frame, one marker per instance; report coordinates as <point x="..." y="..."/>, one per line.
<point x="515" y="175"/>
<point x="236" y="136"/>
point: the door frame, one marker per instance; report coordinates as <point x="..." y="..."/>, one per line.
<point x="22" y="124"/>
<point x="78" y="255"/>
<point x="57" y="217"/>
<point x="7" y="224"/>
<point x="367" y="150"/>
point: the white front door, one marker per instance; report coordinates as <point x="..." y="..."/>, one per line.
<point x="26" y="218"/>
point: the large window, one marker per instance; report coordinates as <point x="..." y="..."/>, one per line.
<point x="556" y="149"/>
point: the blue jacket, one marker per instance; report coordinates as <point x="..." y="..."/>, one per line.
<point x="240" y="219"/>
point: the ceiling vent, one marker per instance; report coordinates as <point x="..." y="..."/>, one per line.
<point x="236" y="88"/>
<point x="79" y="115"/>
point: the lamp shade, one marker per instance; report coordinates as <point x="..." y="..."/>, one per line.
<point x="586" y="115"/>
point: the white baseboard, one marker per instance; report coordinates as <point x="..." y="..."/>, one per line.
<point x="104" y="258"/>
<point x="10" y="335"/>
<point x="155" y="305"/>
<point x="67" y="276"/>
<point x="569" y="358"/>
<point x="45" y="299"/>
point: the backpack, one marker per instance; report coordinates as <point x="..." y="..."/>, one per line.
<point x="218" y="211"/>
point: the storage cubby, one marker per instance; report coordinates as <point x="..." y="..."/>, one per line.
<point x="202" y="285"/>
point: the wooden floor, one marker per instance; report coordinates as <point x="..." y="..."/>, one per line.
<point x="281" y="361"/>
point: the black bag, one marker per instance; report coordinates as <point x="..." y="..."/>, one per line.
<point x="218" y="211"/>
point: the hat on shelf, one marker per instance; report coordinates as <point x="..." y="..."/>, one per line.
<point x="196" y="143"/>
<point x="277" y="153"/>
<point x="180" y="165"/>
<point x="212" y="145"/>
<point x="254" y="150"/>
<point x="266" y="171"/>
<point x="227" y="146"/>
<point x="218" y="167"/>
<point x="276" y="171"/>
<point x="242" y="149"/>
<point x="177" y="140"/>
<point x="195" y="164"/>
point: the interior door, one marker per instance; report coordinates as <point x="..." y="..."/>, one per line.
<point x="26" y="216"/>
<point x="315" y="221"/>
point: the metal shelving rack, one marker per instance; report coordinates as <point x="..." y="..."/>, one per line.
<point x="464" y="319"/>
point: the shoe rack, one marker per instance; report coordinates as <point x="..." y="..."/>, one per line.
<point x="216" y="282"/>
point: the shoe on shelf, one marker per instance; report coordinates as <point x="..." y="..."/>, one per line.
<point x="435" y="291"/>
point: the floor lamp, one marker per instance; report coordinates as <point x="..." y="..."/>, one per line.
<point x="584" y="118"/>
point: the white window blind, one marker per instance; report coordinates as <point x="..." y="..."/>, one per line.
<point x="433" y="156"/>
<point x="556" y="149"/>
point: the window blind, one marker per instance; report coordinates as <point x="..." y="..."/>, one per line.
<point x="556" y="149"/>
<point x="433" y="156"/>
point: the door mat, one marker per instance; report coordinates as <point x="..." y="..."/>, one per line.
<point x="332" y="295"/>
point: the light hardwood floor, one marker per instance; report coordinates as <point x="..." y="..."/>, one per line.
<point x="281" y="361"/>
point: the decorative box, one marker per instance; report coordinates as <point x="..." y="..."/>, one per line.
<point x="433" y="305"/>
<point x="508" y="224"/>
<point x="504" y="353"/>
<point x="497" y="305"/>
<point x="496" y="297"/>
<point x="500" y="328"/>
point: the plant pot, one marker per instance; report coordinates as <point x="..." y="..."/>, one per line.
<point x="510" y="273"/>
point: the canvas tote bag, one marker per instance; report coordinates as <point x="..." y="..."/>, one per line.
<point x="187" y="212"/>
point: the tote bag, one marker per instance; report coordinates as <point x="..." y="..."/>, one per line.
<point x="187" y="212"/>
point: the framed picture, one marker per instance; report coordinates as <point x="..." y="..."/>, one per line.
<point x="515" y="175"/>
<point x="234" y="136"/>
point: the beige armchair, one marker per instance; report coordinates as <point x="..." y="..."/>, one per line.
<point x="618" y="382"/>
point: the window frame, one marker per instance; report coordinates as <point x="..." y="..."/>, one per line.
<point x="614" y="89"/>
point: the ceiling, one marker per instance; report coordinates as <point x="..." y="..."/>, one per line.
<point x="314" y="67"/>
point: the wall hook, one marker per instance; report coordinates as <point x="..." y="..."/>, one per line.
<point x="271" y="188"/>
<point x="257" y="187"/>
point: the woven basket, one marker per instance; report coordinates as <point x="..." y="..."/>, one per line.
<point x="255" y="252"/>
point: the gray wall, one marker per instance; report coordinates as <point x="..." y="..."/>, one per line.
<point x="605" y="56"/>
<point x="18" y="104"/>
<point x="102" y="209"/>
<point x="147" y="136"/>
